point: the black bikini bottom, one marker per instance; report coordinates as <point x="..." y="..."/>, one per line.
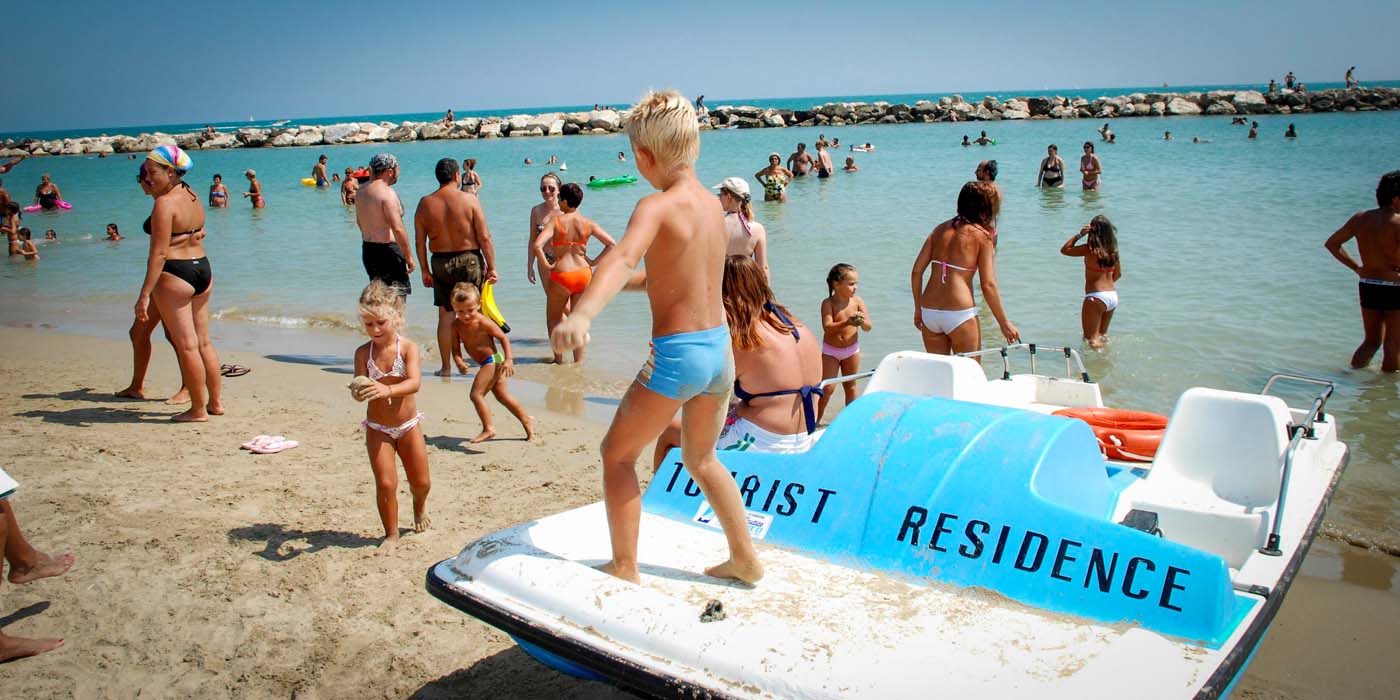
<point x="197" y="272"/>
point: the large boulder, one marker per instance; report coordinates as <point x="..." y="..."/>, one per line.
<point x="308" y="137"/>
<point x="1158" y="108"/>
<point x="431" y="130"/>
<point x="223" y="140"/>
<point x="285" y="138"/>
<point x="1140" y="109"/>
<point x="489" y="130"/>
<point x="1181" y="107"/>
<point x="1039" y="106"/>
<point x="404" y="132"/>
<point x="124" y="144"/>
<point x="604" y="119"/>
<point x="338" y="133"/>
<point x="98" y="147"/>
<point x="1322" y="105"/>
<point x="1221" y="107"/>
<point x="253" y="138"/>
<point x="774" y="119"/>
<point x="581" y="118"/>
<point x="188" y="141"/>
<point x="1015" y="109"/>
<point x="1250" y="101"/>
<point x="378" y="133"/>
<point x="71" y="147"/>
<point x="571" y="128"/>
<point x="555" y="127"/>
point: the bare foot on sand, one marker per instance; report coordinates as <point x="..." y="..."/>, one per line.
<point x="444" y="372"/>
<point x="216" y="408"/>
<point x="421" y="522"/>
<point x="529" y="424"/>
<point x="629" y="574"/>
<point x="131" y="392"/>
<point x="181" y="396"/>
<point x="44" y="567"/>
<point x="388" y="545"/>
<point x="190" y="416"/>
<point x="748" y="573"/>
<point x="485" y="435"/>
<point x="20" y="647"/>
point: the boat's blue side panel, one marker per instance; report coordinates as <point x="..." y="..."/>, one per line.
<point x="969" y="494"/>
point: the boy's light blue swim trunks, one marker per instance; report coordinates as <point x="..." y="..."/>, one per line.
<point x="684" y="365"/>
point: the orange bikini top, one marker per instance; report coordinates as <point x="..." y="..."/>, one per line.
<point x="559" y="240"/>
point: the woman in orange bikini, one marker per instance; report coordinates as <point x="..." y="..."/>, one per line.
<point x="571" y="269"/>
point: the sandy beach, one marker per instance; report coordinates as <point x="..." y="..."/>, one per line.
<point x="204" y="570"/>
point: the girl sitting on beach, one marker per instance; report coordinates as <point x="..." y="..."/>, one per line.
<point x="479" y="335"/>
<point x="844" y="315"/>
<point x="387" y="375"/>
<point x="1101" y="269"/>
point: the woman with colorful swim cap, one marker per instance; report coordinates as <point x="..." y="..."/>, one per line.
<point x="178" y="277"/>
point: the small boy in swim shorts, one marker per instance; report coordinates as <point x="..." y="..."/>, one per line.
<point x="680" y="233"/>
<point x="479" y="335"/>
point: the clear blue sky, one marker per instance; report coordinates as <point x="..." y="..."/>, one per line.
<point x="92" y="64"/>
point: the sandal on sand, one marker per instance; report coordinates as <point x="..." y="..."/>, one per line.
<point x="259" y="441"/>
<point x="233" y="370"/>
<point x="277" y="444"/>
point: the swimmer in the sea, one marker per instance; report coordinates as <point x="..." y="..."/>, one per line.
<point x="850" y="165"/>
<point x="1254" y="130"/>
<point x="1291" y="133"/>
<point x="318" y="172"/>
<point x="966" y="142"/>
<point x="218" y="193"/>
<point x="983" y="140"/>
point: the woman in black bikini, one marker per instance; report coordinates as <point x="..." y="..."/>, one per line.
<point x="178" y="278"/>
<point x="1052" y="169"/>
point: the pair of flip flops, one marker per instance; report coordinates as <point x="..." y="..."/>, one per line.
<point x="269" y="444"/>
<point x="233" y="370"/>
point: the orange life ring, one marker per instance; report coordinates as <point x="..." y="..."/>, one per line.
<point x="1126" y="435"/>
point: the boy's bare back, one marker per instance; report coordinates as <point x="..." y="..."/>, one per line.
<point x="685" y="262"/>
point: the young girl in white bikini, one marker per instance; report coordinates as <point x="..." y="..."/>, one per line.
<point x="844" y="316"/>
<point x="390" y="364"/>
<point x="1102" y="268"/>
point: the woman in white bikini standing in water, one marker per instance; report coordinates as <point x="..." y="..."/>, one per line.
<point x="958" y="249"/>
<point x="542" y="215"/>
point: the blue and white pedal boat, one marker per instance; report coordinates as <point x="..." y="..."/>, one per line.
<point x="962" y="543"/>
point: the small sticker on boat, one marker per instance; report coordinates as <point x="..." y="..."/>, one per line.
<point x="758" y="522"/>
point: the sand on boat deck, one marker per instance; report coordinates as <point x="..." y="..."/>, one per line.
<point x="204" y="570"/>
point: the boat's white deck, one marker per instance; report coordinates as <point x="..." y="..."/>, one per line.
<point x="813" y="629"/>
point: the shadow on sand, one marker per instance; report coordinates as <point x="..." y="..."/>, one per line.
<point x="85" y="417"/>
<point x="514" y="673"/>
<point x="87" y="394"/>
<point x="27" y="611"/>
<point x="285" y="544"/>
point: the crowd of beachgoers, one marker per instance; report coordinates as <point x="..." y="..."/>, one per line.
<point x="718" y="332"/>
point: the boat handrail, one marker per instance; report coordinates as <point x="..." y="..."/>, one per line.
<point x="1319" y="402"/>
<point x="1071" y="355"/>
<point x="1299" y="433"/>
<point x="846" y="378"/>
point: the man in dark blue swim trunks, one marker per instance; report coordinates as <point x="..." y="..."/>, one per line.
<point x="1377" y="234"/>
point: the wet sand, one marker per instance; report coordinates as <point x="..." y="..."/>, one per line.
<point x="205" y="570"/>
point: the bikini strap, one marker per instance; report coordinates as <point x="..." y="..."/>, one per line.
<point x="809" y="411"/>
<point x="773" y="309"/>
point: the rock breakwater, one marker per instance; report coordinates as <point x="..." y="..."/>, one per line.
<point x="608" y="121"/>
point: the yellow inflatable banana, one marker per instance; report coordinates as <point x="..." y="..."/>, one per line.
<point x="488" y="307"/>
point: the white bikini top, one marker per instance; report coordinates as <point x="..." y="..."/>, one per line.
<point x="397" y="370"/>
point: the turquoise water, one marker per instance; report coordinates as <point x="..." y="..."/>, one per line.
<point x="1226" y="280"/>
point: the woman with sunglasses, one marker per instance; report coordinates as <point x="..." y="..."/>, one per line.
<point x="178" y="277"/>
<point x="1090" y="166"/>
<point x="542" y="215"/>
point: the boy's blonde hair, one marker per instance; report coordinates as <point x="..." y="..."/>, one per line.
<point x="464" y="291"/>
<point x="380" y="300"/>
<point x="664" y="124"/>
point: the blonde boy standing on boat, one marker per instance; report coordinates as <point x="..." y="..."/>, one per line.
<point x="680" y="233"/>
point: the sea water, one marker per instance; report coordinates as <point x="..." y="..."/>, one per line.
<point x="1225" y="277"/>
